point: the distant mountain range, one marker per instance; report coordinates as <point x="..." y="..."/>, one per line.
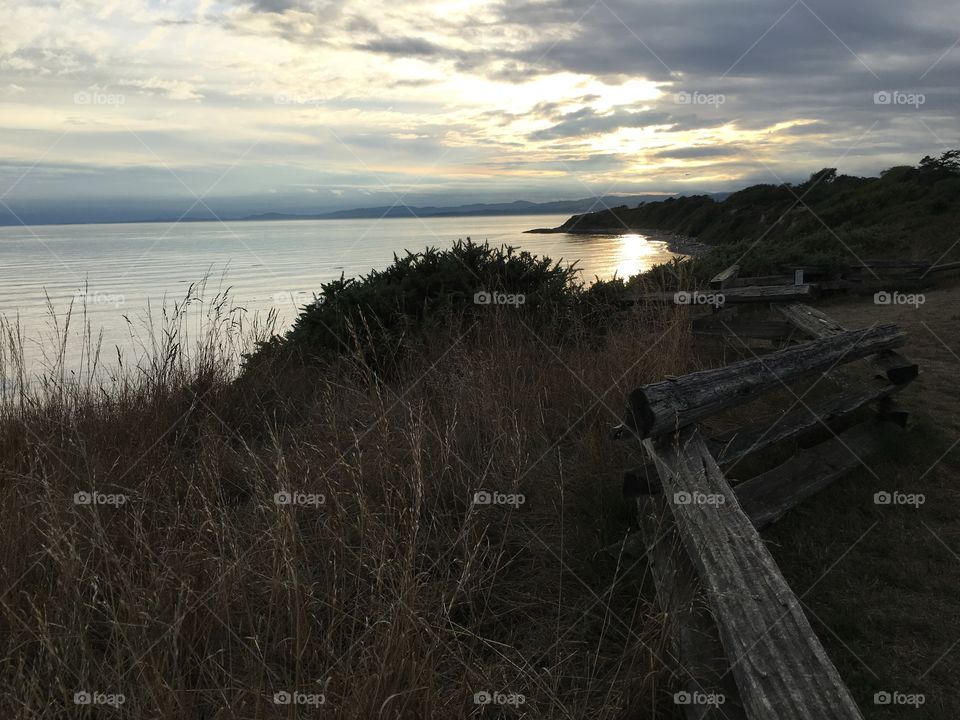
<point x="518" y="207"/>
<point x="83" y="213"/>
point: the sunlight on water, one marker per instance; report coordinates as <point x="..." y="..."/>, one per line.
<point x="636" y="253"/>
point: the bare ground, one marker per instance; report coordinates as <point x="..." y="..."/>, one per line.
<point x="880" y="583"/>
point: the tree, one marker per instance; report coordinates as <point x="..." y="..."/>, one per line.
<point x="949" y="161"/>
<point x="827" y="175"/>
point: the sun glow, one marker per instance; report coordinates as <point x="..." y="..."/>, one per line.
<point x="636" y="253"/>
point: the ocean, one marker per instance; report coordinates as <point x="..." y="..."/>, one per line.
<point x="120" y="272"/>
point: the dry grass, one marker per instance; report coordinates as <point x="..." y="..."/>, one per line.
<point x="396" y="596"/>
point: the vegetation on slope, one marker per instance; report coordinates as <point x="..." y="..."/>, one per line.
<point x="388" y="591"/>
<point x="829" y="220"/>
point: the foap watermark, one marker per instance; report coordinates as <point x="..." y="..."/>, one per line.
<point x="485" y="697"/>
<point x="898" y="298"/>
<point x="698" y="698"/>
<point x="698" y="498"/>
<point x="695" y="297"/>
<point x="288" y="497"/>
<point x="298" y="298"/>
<point x="898" y="498"/>
<point x="884" y="697"/>
<point x="898" y="97"/>
<point x="95" y="497"/>
<point x="498" y="498"/>
<point x="699" y="98"/>
<point x="88" y="697"/>
<point x="296" y="697"/>
<point x="85" y="297"/>
<point x="98" y="97"/>
<point x="485" y="297"/>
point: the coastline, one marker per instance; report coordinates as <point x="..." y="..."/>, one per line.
<point x="677" y="243"/>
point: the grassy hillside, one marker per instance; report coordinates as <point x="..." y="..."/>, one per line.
<point x="311" y="525"/>
<point x="830" y="219"/>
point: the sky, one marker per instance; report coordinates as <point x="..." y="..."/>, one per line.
<point x="116" y="109"/>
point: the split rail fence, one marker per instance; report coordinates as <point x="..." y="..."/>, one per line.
<point x="804" y="283"/>
<point x="737" y="629"/>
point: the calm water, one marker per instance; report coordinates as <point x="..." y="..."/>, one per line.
<point x="273" y="264"/>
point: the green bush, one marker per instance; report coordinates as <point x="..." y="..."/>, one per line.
<point x="419" y="290"/>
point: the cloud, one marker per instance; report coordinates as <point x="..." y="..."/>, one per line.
<point x="499" y="94"/>
<point x="173" y="89"/>
<point x="403" y="46"/>
<point x="282" y="6"/>
<point x="696" y="152"/>
<point x="587" y="122"/>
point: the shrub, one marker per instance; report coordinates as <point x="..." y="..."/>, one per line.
<point x="385" y="307"/>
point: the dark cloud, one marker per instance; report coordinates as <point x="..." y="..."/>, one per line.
<point x="596" y="162"/>
<point x="360" y="24"/>
<point x="820" y="61"/>
<point x="306" y="22"/>
<point x="587" y="121"/>
<point x="403" y="46"/>
<point x="504" y="71"/>
<point x="413" y="82"/>
<point x="696" y="37"/>
<point x="282" y="6"/>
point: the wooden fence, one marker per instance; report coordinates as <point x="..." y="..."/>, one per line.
<point x="737" y="630"/>
<point x="867" y="276"/>
<point x="796" y="283"/>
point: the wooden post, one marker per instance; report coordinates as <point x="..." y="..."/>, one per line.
<point x="702" y="669"/>
<point x="817" y="324"/>
<point x="767" y="497"/>
<point x="767" y="432"/>
<point x="781" y="669"/>
<point x="719" y="280"/>
<point x="671" y="404"/>
<point x="733" y="446"/>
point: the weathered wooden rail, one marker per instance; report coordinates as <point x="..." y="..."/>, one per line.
<point x="796" y="283"/>
<point x="866" y="276"/>
<point x="746" y="294"/>
<point x="737" y="629"/>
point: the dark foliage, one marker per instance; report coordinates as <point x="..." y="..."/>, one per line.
<point x="386" y="308"/>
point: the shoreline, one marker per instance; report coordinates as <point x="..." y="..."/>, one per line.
<point x="676" y="243"/>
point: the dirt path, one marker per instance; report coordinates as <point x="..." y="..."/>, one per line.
<point x="934" y="343"/>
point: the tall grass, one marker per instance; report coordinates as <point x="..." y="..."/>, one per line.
<point x="389" y="593"/>
<point x="202" y="334"/>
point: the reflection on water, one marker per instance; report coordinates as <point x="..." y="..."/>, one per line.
<point x="637" y="253"/>
<point x="607" y="256"/>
